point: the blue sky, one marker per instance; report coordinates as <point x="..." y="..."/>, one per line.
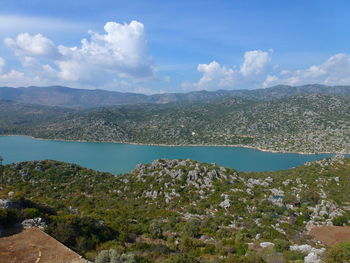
<point x="174" y="46"/>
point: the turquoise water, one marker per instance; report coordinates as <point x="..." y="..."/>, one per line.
<point x="121" y="158"/>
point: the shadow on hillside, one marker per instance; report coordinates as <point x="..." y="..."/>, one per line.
<point x="9" y="231"/>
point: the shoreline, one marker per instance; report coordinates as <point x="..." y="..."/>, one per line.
<point x="183" y="145"/>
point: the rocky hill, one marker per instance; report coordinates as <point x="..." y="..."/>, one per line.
<point x="184" y="211"/>
<point x="302" y="123"/>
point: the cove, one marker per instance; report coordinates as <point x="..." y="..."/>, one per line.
<point x="121" y="158"/>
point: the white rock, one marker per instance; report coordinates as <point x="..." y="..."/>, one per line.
<point x="301" y="248"/>
<point x="312" y="258"/>
<point x="266" y="244"/>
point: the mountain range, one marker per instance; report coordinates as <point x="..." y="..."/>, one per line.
<point x="83" y="98"/>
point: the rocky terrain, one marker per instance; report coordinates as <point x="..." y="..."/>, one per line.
<point x="184" y="211"/>
<point x="308" y="123"/>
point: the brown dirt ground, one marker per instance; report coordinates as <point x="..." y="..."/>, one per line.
<point x="34" y="246"/>
<point x="331" y="235"/>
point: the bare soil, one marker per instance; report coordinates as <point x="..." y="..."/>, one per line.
<point x="34" y="246"/>
<point x="331" y="235"/>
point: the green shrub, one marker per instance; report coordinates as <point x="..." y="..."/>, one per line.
<point x="192" y="228"/>
<point x="340" y="220"/>
<point x="281" y="245"/>
<point x="182" y="258"/>
<point x="31" y="212"/>
<point x="9" y="216"/>
<point x="294" y="255"/>
<point x="210" y="249"/>
<point x="241" y="249"/>
<point x="112" y="256"/>
<point x="339" y="253"/>
<point x="249" y="258"/>
<point x="310" y="196"/>
<point x="155" y="229"/>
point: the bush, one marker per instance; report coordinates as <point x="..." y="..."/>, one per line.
<point x="340" y="220"/>
<point x="188" y="244"/>
<point x="310" y="196"/>
<point x="80" y="234"/>
<point x="9" y="216"/>
<point x="192" y="228"/>
<point x="338" y="254"/>
<point x="182" y="258"/>
<point x="112" y="256"/>
<point x="155" y="229"/>
<point x="241" y="249"/>
<point x="294" y="255"/>
<point x="31" y="212"/>
<point x="250" y="258"/>
<point x="210" y="249"/>
<point x="281" y="245"/>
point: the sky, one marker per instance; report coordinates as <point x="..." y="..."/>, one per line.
<point x="158" y="46"/>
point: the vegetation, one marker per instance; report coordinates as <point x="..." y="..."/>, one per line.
<point x="339" y="254"/>
<point x="180" y="210"/>
<point x="281" y="118"/>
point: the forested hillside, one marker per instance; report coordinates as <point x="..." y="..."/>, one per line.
<point x="301" y="123"/>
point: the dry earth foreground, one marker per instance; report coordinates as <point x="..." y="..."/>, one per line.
<point x="331" y="235"/>
<point x="35" y="246"/>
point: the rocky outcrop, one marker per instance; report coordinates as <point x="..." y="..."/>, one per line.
<point x="34" y="222"/>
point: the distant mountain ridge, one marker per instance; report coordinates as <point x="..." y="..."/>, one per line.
<point x="84" y="98"/>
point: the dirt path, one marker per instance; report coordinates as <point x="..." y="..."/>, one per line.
<point x="34" y="246"/>
<point x="331" y="235"/>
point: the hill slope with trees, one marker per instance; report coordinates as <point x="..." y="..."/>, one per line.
<point x="302" y="123"/>
<point x="183" y="210"/>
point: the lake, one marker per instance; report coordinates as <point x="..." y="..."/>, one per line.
<point x="120" y="158"/>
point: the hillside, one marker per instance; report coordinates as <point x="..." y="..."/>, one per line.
<point x="83" y="98"/>
<point x="171" y="209"/>
<point x="301" y="123"/>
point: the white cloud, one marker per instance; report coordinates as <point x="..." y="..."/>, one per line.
<point x="216" y="76"/>
<point x="334" y="71"/>
<point x="36" y="45"/>
<point x="122" y="50"/>
<point x="255" y="72"/>
<point x="250" y="74"/>
<point x="118" y="54"/>
<point x="255" y="62"/>
<point x="2" y="65"/>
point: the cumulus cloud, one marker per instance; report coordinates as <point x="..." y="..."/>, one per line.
<point x="36" y="45"/>
<point x="334" y="71"/>
<point x="255" y="62"/>
<point x="255" y="72"/>
<point x="122" y="50"/>
<point x="118" y="53"/>
<point x="249" y="75"/>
